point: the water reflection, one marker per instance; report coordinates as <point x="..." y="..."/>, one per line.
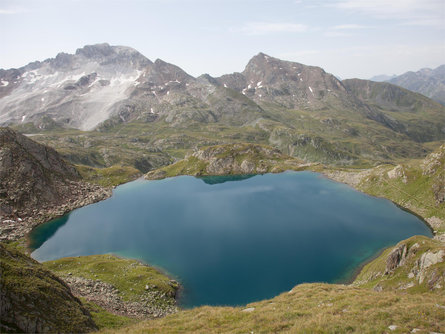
<point x="232" y="243"/>
<point x="216" y="179"/>
<point x="44" y="232"/>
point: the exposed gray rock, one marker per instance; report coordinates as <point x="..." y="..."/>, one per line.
<point x="429" y="258"/>
<point x="396" y="258"/>
<point x="152" y="304"/>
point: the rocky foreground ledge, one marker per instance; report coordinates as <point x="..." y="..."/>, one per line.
<point x="123" y="287"/>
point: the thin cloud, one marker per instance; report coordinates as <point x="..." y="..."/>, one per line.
<point x="344" y="30"/>
<point x="338" y="34"/>
<point x="411" y="12"/>
<point x="264" y="28"/>
<point x="8" y="12"/>
<point x="11" y="11"/>
<point x="349" y="27"/>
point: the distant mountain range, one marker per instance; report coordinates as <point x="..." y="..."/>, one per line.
<point x="429" y="82"/>
<point x="302" y="110"/>
<point x="382" y="77"/>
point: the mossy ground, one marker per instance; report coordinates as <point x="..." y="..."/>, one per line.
<point x="414" y="191"/>
<point x="110" y="176"/>
<point x="128" y="276"/>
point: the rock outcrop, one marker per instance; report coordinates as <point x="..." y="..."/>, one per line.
<point x="395" y="259"/>
<point x="108" y="297"/>
<point x="416" y="263"/>
<point x="235" y="159"/>
<point x="36" y="184"/>
<point x="34" y="300"/>
<point x="121" y="286"/>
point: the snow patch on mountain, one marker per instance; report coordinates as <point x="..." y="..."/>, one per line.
<point x="79" y="91"/>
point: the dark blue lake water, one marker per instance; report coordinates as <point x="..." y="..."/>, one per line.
<point x="233" y="240"/>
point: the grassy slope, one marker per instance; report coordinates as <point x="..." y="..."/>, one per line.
<point x="32" y="292"/>
<point x="104" y="319"/>
<point x="128" y="276"/>
<point x="416" y="186"/>
<point x="327" y="135"/>
<point x="373" y="274"/>
<point x="107" y="177"/>
<point x="311" y="308"/>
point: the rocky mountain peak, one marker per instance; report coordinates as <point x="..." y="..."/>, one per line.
<point x="260" y="59"/>
<point x="289" y="84"/>
<point x="78" y="90"/>
<point x="106" y="54"/>
<point x="63" y="60"/>
<point x="95" y="51"/>
<point x="163" y="73"/>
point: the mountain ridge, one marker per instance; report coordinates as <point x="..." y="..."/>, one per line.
<point x="427" y="81"/>
<point x="301" y="110"/>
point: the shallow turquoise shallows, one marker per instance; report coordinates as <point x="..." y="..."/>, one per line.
<point x="231" y="243"/>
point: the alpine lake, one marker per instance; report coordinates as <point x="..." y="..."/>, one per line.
<point x="231" y="240"/>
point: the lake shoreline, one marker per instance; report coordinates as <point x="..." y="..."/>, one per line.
<point x="347" y="281"/>
<point x="19" y="227"/>
<point x="354" y="184"/>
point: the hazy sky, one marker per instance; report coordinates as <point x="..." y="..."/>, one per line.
<point x="349" y="38"/>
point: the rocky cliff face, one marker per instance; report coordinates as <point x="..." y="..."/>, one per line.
<point x="35" y="183"/>
<point x="33" y="300"/>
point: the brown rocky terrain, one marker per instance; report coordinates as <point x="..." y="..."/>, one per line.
<point x="36" y="184"/>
